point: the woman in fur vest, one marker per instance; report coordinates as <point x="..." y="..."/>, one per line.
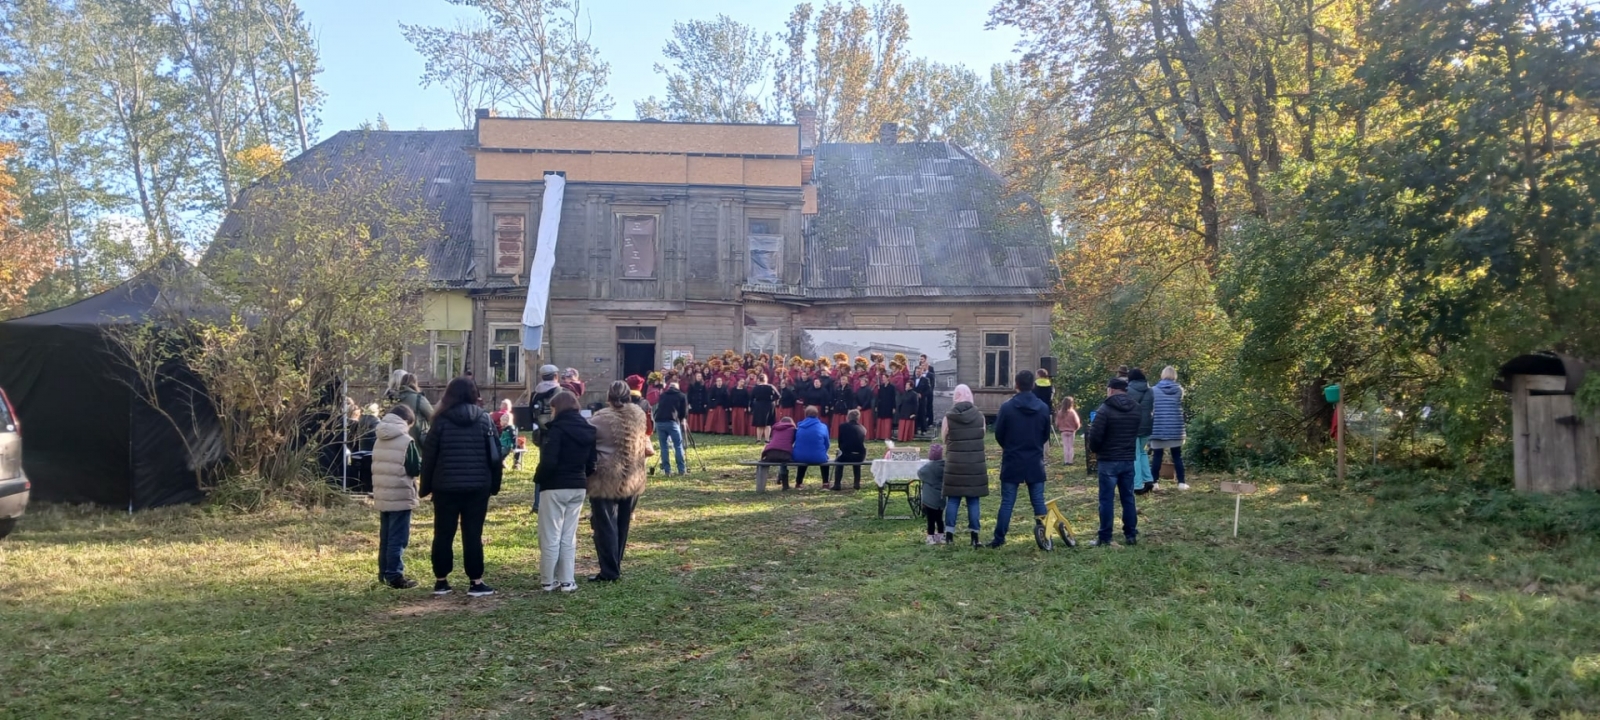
<point x="619" y="473"/>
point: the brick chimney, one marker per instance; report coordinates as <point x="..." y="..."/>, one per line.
<point x="806" y="118"/>
<point x="889" y="133"/>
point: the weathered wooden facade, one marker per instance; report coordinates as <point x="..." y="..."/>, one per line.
<point x="693" y="238"/>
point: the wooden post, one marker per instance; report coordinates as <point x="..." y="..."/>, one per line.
<point x="1238" y="490"/>
<point x="1340" y="412"/>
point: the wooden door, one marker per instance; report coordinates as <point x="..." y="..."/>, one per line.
<point x="1552" y="443"/>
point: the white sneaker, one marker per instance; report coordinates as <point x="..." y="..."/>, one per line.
<point x="569" y="587"/>
<point x="552" y="587"/>
<point x="929" y="541"/>
<point x="1183" y="486"/>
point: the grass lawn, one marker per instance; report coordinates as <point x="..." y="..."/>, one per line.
<point x="1391" y="597"/>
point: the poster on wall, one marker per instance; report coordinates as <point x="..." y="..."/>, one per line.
<point x="669" y="355"/>
<point x="938" y="345"/>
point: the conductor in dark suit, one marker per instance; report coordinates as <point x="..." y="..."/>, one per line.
<point x="925" y="385"/>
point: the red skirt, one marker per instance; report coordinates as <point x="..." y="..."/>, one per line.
<point x="868" y="425"/>
<point x="833" y="425"/>
<point x="719" y="421"/>
<point x="741" y="421"/>
<point x="697" y="422"/>
<point x="908" y="430"/>
<point x="786" y="412"/>
<point x="885" y="428"/>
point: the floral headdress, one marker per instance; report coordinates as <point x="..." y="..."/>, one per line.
<point x="877" y="358"/>
<point x="678" y="362"/>
<point x="823" y="362"/>
<point x="900" y="359"/>
<point x="654" y="378"/>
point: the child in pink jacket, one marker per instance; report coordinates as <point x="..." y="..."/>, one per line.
<point x="1067" y="424"/>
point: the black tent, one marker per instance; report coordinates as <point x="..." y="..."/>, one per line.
<point x="87" y="437"/>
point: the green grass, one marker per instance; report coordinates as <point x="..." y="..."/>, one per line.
<point x="1392" y="597"/>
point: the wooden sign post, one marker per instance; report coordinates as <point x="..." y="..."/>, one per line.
<point x="1239" y="490"/>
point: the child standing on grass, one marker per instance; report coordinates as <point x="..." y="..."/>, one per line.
<point x="931" y="477"/>
<point x="395" y="466"/>
<point x="1067" y="423"/>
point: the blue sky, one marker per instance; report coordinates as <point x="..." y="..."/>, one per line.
<point x="369" y="69"/>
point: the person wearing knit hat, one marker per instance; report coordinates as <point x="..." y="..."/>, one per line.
<point x="931" y="477"/>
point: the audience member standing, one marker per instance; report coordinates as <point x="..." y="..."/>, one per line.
<point x="1043" y="388"/>
<point x="1168" y="425"/>
<point x="623" y="450"/>
<point x="1139" y="392"/>
<point x="461" y="468"/>
<point x="930" y="477"/>
<point x="966" y="471"/>
<point x="566" y="460"/>
<point x="1068" y="423"/>
<point x="1113" y="438"/>
<point x="1021" y="429"/>
<point x="411" y="397"/>
<point x="924" y="396"/>
<point x="396" y="463"/>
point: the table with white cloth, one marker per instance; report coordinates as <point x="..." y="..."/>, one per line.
<point x="898" y="475"/>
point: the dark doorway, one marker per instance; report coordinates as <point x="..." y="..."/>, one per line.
<point x="637" y="358"/>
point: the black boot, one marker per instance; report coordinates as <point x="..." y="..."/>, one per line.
<point x="949" y="538"/>
<point x="975" y="542"/>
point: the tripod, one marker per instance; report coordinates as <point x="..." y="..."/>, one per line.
<point x="691" y="450"/>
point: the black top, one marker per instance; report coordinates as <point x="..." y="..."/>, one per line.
<point x="698" y="397"/>
<point x="738" y="398"/>
<point x="671" y="406"/>
<point x="864" y="398"/>
<point x="907" y="405"/>
<point x="886" y="402"/>
<point x="717" y="397"/>
<point x="1114" y="434"/>
<point x="844" y="399"/>
<point x="763" y="395"/>
<point x="788" y="397"/>
<point x="461" y="454"/>
<point x="852" y="440"/>
<point x="818" y="397"/>
<point x="567" y="457"/>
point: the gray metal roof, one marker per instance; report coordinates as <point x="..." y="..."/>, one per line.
<point x="920" y="219"/>
<point x="433" y="161"/>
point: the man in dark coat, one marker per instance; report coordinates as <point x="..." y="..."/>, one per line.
<point x="925" y="392"/>
<point x="1021" y="429"/>
<point x="672" y="410"/>
<point x="1113" y="437"/>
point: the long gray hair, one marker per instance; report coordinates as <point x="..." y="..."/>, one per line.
<point x="619" y="394"/>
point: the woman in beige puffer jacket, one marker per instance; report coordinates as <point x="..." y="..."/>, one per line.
<point x="396" y="463"/>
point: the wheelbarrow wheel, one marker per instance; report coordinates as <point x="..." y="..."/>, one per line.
<point x="1041" y="536"/>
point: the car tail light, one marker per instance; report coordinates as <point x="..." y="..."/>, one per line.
<point x="11" y="412"/>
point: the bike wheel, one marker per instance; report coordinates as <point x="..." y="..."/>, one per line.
<point x="1041" y="536"/>
<point x="1066" y="536"/>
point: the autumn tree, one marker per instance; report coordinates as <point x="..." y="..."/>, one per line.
<point x="534" y="56"/>
<point x="717" y="71"/>
<point x="846" y="62"/>
<point x="26" y="256"/>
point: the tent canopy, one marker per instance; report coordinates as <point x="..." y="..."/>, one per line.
<point x="87" y="436"/>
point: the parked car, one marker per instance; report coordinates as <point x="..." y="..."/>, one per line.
<point x="13" y="484"/>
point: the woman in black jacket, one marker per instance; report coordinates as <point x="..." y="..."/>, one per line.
<point x="699" y="395"/>
<point x="763" y="413"/>
<point x="818" y="396"/>
<point x="865" y="397"/>
<point x="852" y="448"/>
<point x="885" y="410"/>
<point x="566" y="460"/>
<point x="844" y="400"/>
<point x="461" y="468"/>
<point x="717" y="408"/>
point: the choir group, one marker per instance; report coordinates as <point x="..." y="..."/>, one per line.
<point x="734" y="395"/>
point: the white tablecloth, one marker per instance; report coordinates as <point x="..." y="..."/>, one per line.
<point x="885" y="470"/>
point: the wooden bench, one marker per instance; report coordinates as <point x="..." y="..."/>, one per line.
<point x="911" y="488"/>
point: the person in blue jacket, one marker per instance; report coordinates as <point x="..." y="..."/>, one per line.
<point x="1022" y="428"/>
<point x="811" y="445"/>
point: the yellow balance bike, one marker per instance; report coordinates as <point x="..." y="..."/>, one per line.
<point x="1053" y="521"/>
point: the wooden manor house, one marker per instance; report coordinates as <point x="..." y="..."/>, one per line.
<point x="691" y="238"/>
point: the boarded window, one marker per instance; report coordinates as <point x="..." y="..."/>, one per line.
<point x="510" y="240"/>
<point x="639" y="246"/>
<point x="766" y="252"/>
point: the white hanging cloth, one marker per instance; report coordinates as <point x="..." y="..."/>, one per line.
<point x="544" y="263"/>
